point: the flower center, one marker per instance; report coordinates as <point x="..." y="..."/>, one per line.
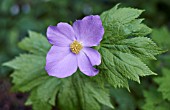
<point x="76" y="47"/>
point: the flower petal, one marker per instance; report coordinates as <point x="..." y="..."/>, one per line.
<point x="60" y="35"/>
<point x="89" y="30"/>
<point x="93" y="55"/>
<point x="85" y="65"/>
<point x="60" y="62"/>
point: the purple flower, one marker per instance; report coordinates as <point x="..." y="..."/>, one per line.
<point x="71" y="47"/>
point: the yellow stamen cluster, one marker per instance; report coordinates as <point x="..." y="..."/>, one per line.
<point x="76" y="47"/>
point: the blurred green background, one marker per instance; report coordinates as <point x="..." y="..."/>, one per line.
<point x="19" y="16"/>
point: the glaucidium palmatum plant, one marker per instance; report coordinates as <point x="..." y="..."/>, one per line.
<point x="112" y="47"/>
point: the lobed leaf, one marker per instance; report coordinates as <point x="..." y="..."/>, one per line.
<point x="122" y="66"/>
<point x="28" y="68"/>
<point x="124" y="47"/>
<point x="29" y="75"/>
<point x="36" y="44"/>
<point x="120" y="23"/>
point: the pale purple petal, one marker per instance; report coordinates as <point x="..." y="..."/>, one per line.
<point x="89" y="30"/>
<point x="93" y="55"/>
<point x="61" y="35"/>
<point x="60" y="62"/>
<point x="85" y="65"/>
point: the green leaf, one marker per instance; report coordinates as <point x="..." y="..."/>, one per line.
<point x="124" y="47"/>
<point x="88" y="94"/>
<point x="29" y="75"/>
<point x="154" y="101"/>
<point x="122" y="66"/>
<point x="30" y="44"/>
<point x="48" y="90"/>
<point x="137" y="28"/>
<point x="101" y="95"/>
<point x="43" y="97"/>
<point x="27" y="68"/>
<point x="37" y="102"/>
<point x="163" y="82"/>
<point x="109" y="72"/>
<point x="141" y="47"/>
<point x="120" y="23"/>
<point x="67" y="99"/>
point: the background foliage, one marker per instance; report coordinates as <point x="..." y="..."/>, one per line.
<point x="17" y="17"/>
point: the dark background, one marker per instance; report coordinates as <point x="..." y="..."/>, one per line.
<point x="19" y="16"/>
